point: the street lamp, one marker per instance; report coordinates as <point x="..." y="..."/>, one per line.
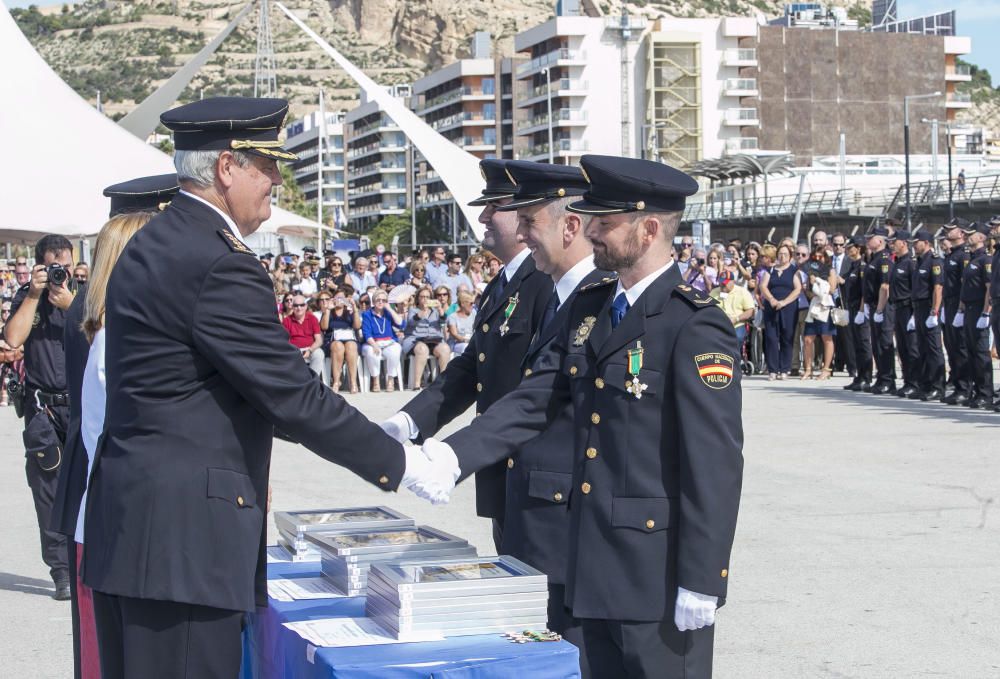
<point x="649" y="141"/>
<point x="906" y="146"/>
<point x="548" y="101"/>
<point x="947" y="142"/>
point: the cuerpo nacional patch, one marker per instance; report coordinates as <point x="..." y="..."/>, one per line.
<point x="715" y="369"/>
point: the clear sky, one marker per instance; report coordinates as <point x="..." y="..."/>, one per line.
<point x="978" y="19"/>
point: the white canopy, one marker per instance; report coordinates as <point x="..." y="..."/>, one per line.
<point x="61" y="152"/>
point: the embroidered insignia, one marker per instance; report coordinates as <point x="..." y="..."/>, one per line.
<point x="715" y="369"/>
<point x="936" y="270"/>
<point x="885" y="268"/>
<point x="634" y="386"/>
<point x="234" y="243"/>
<point x="583" y="332"/>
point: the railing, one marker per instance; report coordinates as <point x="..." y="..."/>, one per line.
<point x="961" y="69"/>
<point x="454" y="95"/>
<point x="561" y="84"/>
<point x="740" y="55"/>
<point x="742" y="115"/>
<point x="375" y="168"/>
<point x="477" y="141"/>
<point x="741" y="144"/>
<point x="559" y="115"/>
<point x="982" y="188"/>
<point x="959" y="97"/>
<point x="562" y="54"/>
<point x="741" y="84"/>
<point x="459" y="118"/>
<point x="749" y="207"/>
<point x="560" y="145"/>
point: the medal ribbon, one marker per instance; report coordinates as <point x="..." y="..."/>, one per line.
<point x="635" y="360"/>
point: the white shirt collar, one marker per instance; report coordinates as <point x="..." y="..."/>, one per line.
<point x="633" y="293"/>
<point x="510" y="270"/>
<point x="229" y="220"/>
<point x="567" y="284"/>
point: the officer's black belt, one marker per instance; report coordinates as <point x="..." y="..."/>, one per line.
<point x="49" y="398"/>
<point x="905" y="302"/>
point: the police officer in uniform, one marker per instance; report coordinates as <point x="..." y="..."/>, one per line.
<point x="883" y="313"/>
<point x="197" y="380"/>
<point x="904" y="326"/>
<point x="995" y="294"/>
<point x="651" y="368"/>
<point x="539" y="478"/>
<point x="37" y="321"/>
<point x="974" y="311"/>
<point x="510" y="313"/>
<point x="954" y="335"/>
<point x="928" y="293"/>
<point x="852" y="293"/>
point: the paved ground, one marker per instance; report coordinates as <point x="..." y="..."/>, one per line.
<point x="868" y="544"/>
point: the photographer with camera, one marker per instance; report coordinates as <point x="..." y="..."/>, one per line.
<point x="36" y="322"/>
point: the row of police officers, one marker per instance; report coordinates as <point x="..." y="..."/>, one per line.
<point x="933" y="301"/>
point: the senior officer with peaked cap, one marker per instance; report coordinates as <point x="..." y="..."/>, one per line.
<point x="650" y="366"/>
<point x="197" y="380"/>
<point x="511" y="310"/>
<point x="539" y="478"/>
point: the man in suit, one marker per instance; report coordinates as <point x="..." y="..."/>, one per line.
<point x="651" y="369"/>
<point x="844" y="357"/>
<point x="509" y="315"/>
<point x="197" y="380"/>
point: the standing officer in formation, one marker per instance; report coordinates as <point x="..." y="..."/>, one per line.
<point x="994" y="288"/>
<point x="954" y="335"/>
<point x="927" y="293"/>
<point x="876" y="296"/>
<point x="511" y="311"/>
<point x="975" y="313"/>
<point x="197" y="380"/>
<point x="651" y="369"/>
<point x="904" y="327"/>
<point x="852" y="293"/>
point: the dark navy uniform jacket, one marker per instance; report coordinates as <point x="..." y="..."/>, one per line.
<point x="853" y="285"/>
<point x="975" y="276"/>
<point x="995" y="274"/>
<point x="489" y="368"/>
<point x="199" y="373"/>
<point x="656" y="479"/>
<point x="539" y="478"/>
<point x="928" y="272"/>
<point x="877" y="271"/>
<point x="901" y="280"/>
<point x="955" y="263"/>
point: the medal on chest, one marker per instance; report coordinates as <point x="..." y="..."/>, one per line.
<point x="511" y="305"/>
<point x="634" y="386"/>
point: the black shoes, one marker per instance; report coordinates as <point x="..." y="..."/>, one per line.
<point x="932" y="395"/>
<point x="956" y="399"/>
<point x="62" y="592"/>
<point x="866" y="387"/>
<point x="981" y="404"/>
<point x="883" y="388"/>
<point x="853" y="386"/>
<point x="916" y="395"/>
<point x="906" y="391"/>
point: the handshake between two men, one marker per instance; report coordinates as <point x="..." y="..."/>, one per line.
<point x="431" y="469"/>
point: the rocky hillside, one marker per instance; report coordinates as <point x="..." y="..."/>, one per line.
<point x="124" y="49"/>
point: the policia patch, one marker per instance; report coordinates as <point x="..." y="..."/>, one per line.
<point x="715" y="370"/>
<point x="233" y="242"/>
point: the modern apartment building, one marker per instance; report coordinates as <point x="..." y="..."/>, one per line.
<point x="469" y="102"/>
<point x="377" y="167"/>
<point x="302" y="137"/>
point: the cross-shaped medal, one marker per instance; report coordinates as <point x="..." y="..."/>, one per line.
<point x="635" y="387"/>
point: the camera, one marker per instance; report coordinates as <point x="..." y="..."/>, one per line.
<point x="701" y="261"/>
<point x="58" y="274"/>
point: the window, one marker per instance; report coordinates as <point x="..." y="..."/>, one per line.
<point x="489" y="86"/>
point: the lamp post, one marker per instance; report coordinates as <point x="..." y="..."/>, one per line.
<point x="906" y="146"/>
<point x="648" y="146"/>
<point x="935" y="126"/>
<point x="548" y="103"/>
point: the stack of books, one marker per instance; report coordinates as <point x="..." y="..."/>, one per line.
<point x="346" y="557"/>
<point x="293" y="527"/>
<point x="417" y="600"/>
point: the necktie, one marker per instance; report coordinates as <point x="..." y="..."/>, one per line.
<point x="550" y="310"/>
<point x="618" y="309"/>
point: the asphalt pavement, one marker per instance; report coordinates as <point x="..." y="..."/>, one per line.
<point x="868" y="543"/>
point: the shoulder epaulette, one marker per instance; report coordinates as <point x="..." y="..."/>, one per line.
<point x="607" y="280"/>
<point x="694" y="297"/>
<point x="234" y="243"/>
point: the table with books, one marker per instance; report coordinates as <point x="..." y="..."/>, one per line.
<point x="364" y="592"/>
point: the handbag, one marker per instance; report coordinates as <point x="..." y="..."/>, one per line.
<point x="840" y="317"/>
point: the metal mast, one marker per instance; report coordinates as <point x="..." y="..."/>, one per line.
<point x="265" y="82"/>
<point x="630" y="29"/>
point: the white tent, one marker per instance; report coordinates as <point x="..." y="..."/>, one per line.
<point x="61" y="152"/>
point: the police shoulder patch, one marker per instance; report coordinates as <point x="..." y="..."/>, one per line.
<point x="715" y="369"/>
<point x="694" y="297"/>
<point x="234" y="243"/>
<point x="936" y="269"/>
<point x="885" y="268"/>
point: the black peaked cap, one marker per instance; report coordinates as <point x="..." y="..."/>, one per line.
<point x="498" y="184"/>
<point x="144" y="194"/>
<point x="248" y="124"/>
<point x="630" y="185"/>
<point x="541" y="182"/>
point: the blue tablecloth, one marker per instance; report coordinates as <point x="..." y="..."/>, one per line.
<point x="272" y="651"/>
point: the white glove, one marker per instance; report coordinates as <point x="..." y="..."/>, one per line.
<point x="693" y="610"/>
<point x="959" y="319"/>
<point x="878" y="317"/>
<point x="859" y="318"/>
<point x="911" y="325"/>
<point x="943" y="315"/>
<point x="400" y="427"/>
<point x="431" y="471"/>
<point x="931" y="322"/>
<point x="868" y="312"/>
<point x="983" y="322"/>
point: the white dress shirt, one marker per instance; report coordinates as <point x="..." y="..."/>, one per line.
<point x="567" y="284"/>
<point x="511" y="268"/>
<point x="93" y="399"/>
<point x="633" y="293"/>
<point x="229" y="220"/>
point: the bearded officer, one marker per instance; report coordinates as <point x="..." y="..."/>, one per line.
<point x="510" y="313"/>
<point x="197" y="379"/>
<point x="650" y="366"/>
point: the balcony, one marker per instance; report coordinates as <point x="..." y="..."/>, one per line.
<point x="452" y="96"/>
<point x="741" y="145"/>
<point x="958" y="100"/>
<point x="740" y="57"/>
<point x="742" y="117"/>
<point x="959" y="73"/>
<point x="564" y="117"/>
<point x="375" y="168"/>
<point x="741" y="87"/>
<point x="564" y="87"/>
<point x="559" y="57"/>
<point x="563" y="147"/>
<point x="463" y="118"/>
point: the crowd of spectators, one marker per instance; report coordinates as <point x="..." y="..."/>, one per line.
<point x="378" y="311"/>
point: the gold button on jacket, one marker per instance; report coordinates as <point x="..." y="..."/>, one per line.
<point x="591" y="453"/>
<point x="527" y="372"/>
<point x="482" y="357"/>
<point x="650" y="523"/>
<point x="486" y="327"/>
<point x="557" y="497"/>
<point x="383" y="479"/>
<point x="510" y="463"/>
<point x="595" y="418"/>
<point x="585" y="487"/>
<point x="239" y="500"/>
<point x="599" y="383"/>
<point x="572" y="370"/>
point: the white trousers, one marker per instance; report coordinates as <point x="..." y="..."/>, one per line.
<point x="391" y="353"/>
<point x="317" y="363"/>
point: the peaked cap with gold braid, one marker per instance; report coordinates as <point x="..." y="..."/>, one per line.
<point x="238" y="123"/>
